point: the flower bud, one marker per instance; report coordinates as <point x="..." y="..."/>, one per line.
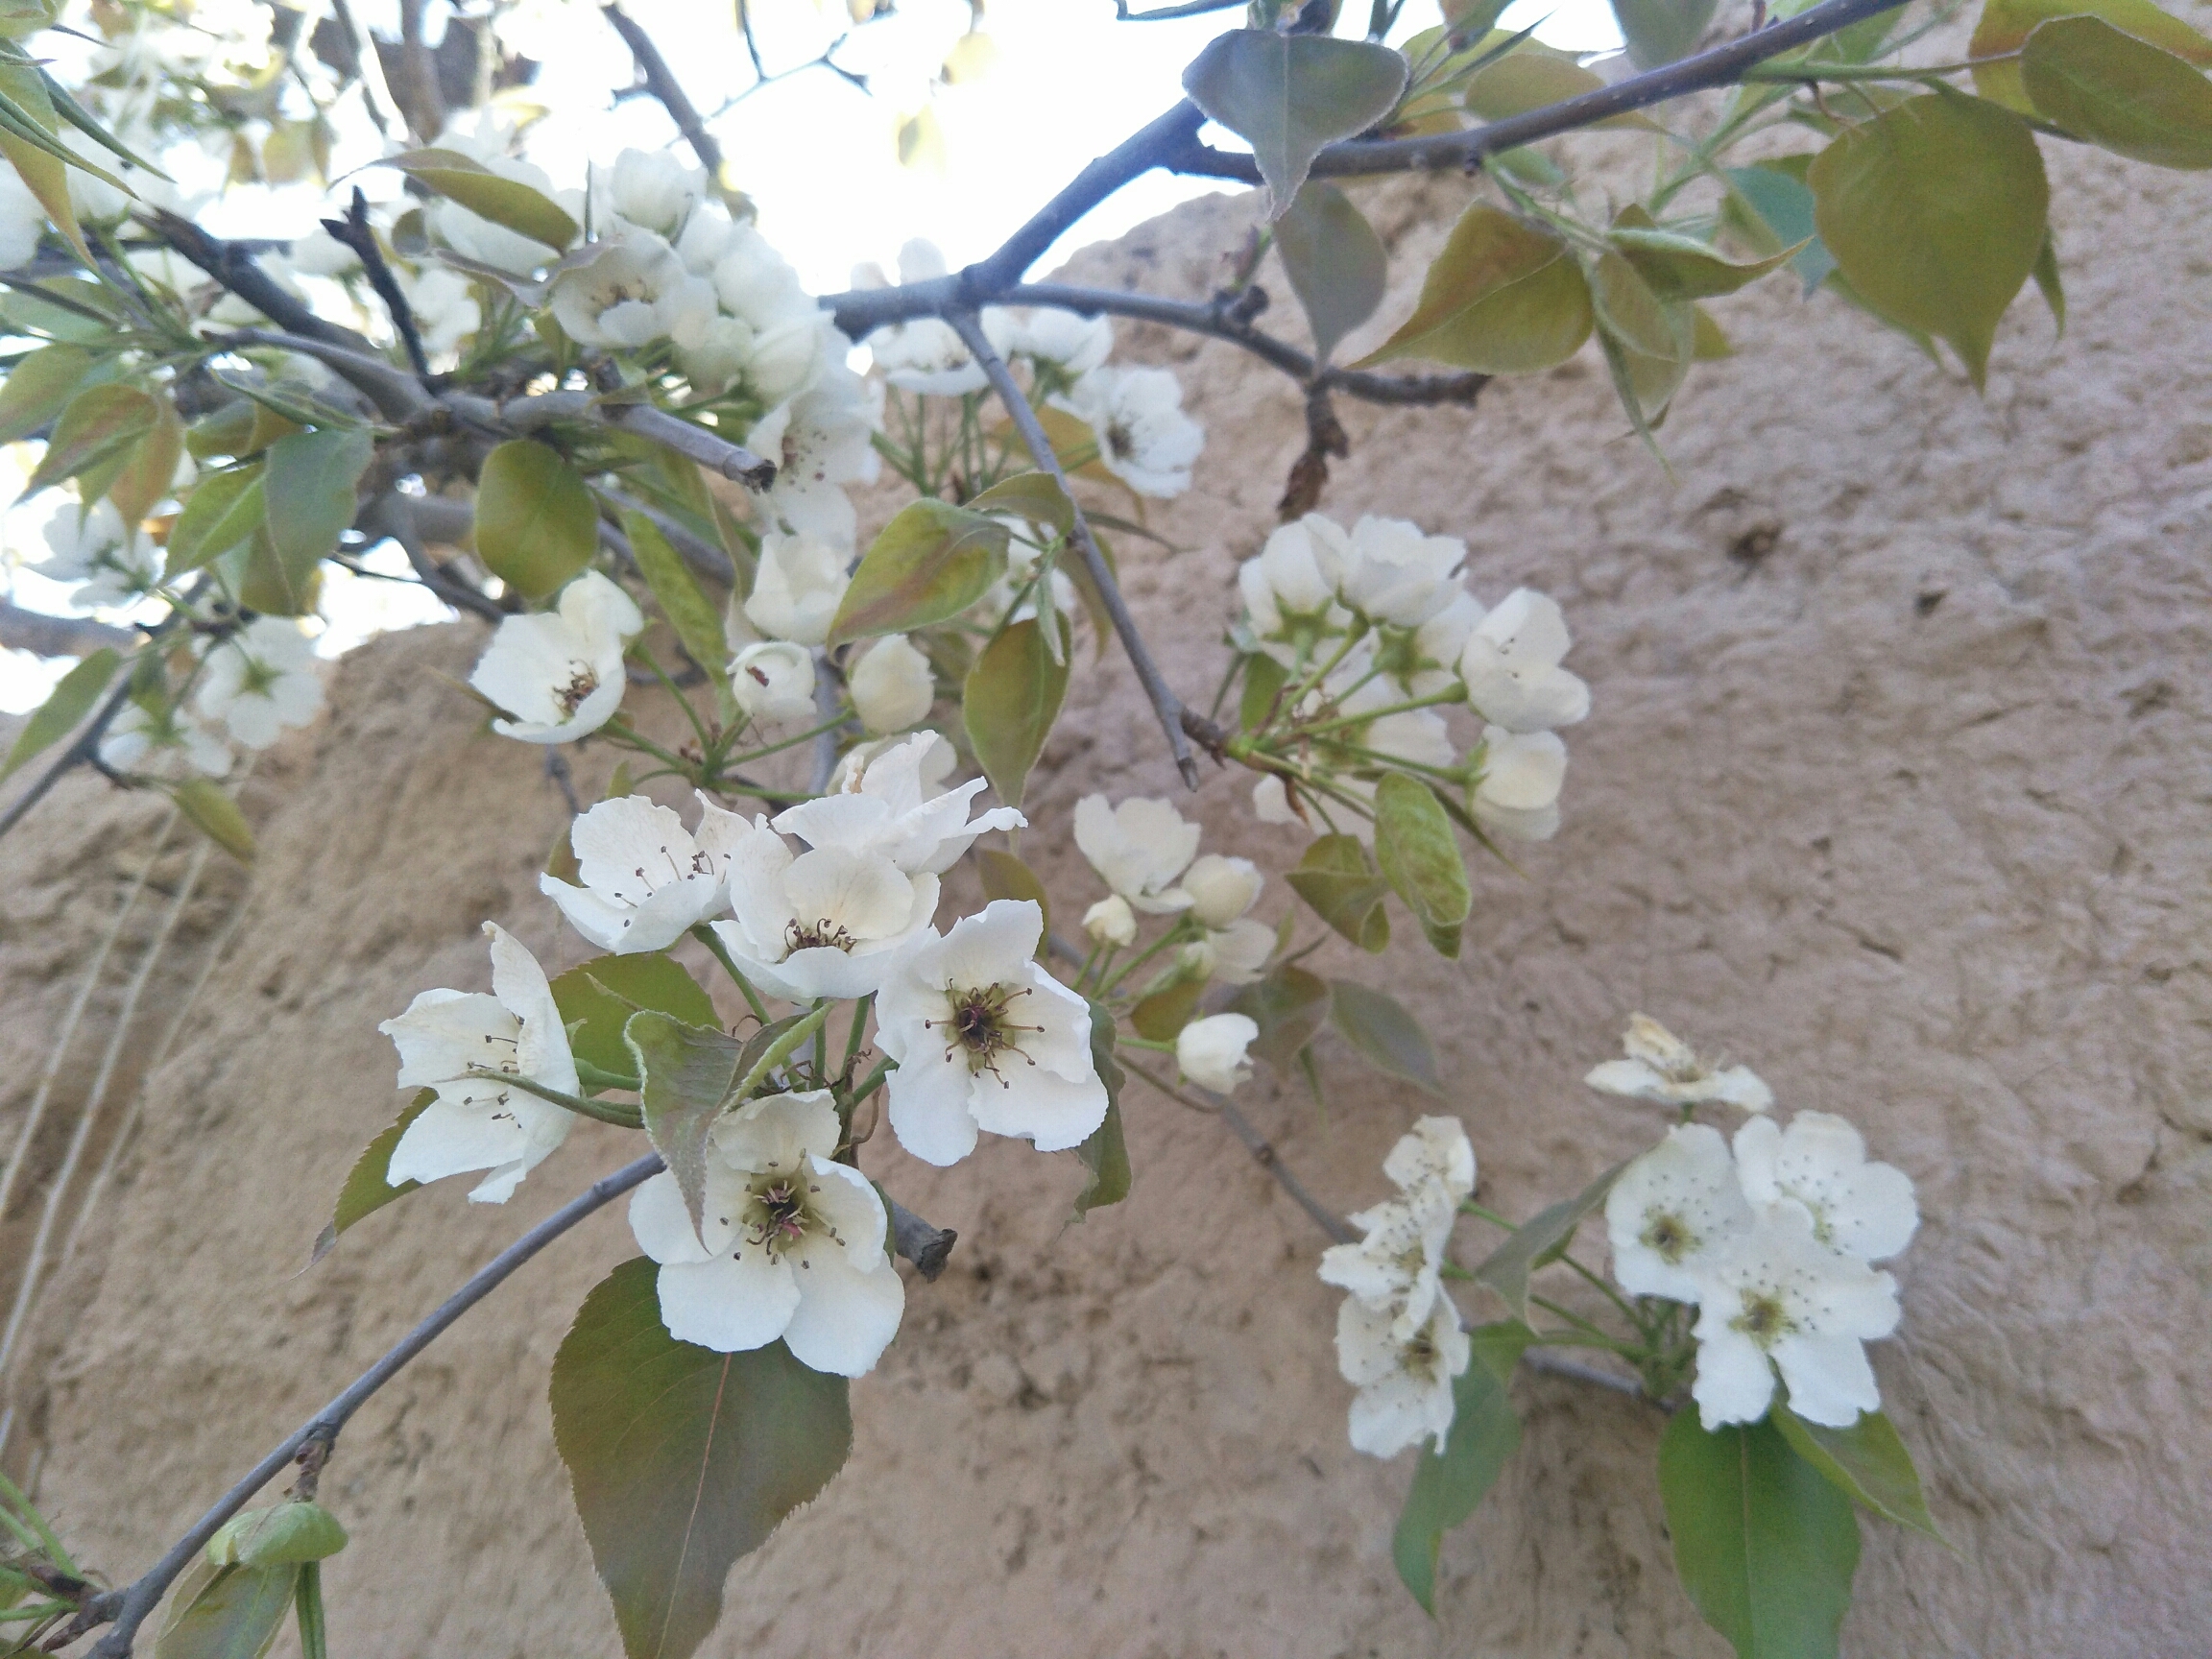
<point x="1221" y="889"/>
<point x="892" y="687"/>
<point x="1111" y="921"/>
<point x="1211" y="1051"/>
<point x="774" y="681"/>
<point x="1272" y="802"/>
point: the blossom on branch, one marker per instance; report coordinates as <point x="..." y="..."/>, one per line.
<point x="1819" y="1162"/>
<point x="1510" y="664"/>
<point x="825" y="923"/>
<point x="773" y="680"/>
<point x="1211" y="1051"/>
<point x="1404" y="1385"/>
<point x="1396" y="1267"/>
<point x="1145" y="438"/>
<point x="261" y="680"/>
<point x="799" y="585"/>
<point x="1518" y="793"/>
<point x="986" y="1039"/>
<point x="892" y="686"/>
<point x="1139" y="848"/>
<point x="558" y="673"/>
<point x="1672" y="1211"/>
<point x="891" y="808"/>
<point x="790" y="1242"/>
<point x="646" y="879"/>
<point x="1661" y="1066"/>
<point x="634" y="291"/>
<point x="161" y="742"/>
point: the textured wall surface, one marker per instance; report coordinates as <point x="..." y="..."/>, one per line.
<point x="1895" y="787"/>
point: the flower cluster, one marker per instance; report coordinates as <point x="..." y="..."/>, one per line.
<point x="248" y="687"/>
<point x="1399" y="1339"/>
<point x="1772" y="1238"/>
<point x="1371" y="634"/>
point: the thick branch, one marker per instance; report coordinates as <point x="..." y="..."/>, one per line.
<point x="1173" y="716"/>
<point x="130" y="1606"/>
<point x="45" y="635"/>
<point x="232" y="266"/>
<point x="1719" y="67"/>
<point x="547" y="408"/>
<point x="663" y="83"/>
<point x="393" y="514"/>
<point x="396" y="393"/>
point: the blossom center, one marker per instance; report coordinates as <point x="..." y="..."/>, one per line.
<point x="1763" y="1319"/>
<point x="813" y="935"/>
<point x="1669" y="1237"/>
<point x="581" y="682"/>
<point x="1121" y="440"/>
<point x="1419" y="1357"/>
<point x="979" y="1023"/>
<point x="780" y="1217"/>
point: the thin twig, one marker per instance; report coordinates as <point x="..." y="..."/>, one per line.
<point x="354" y="230"/>
<point x="1264" y="1154"/>
<point x="519" y="415"/>
<point x="77" y="753"/>
<point x="130" y="1606"/>
<point x="231" y="264"/>
<point x="662" y="83"/>
<point x="393" y="514"/>
<point x="1173" y="716"/>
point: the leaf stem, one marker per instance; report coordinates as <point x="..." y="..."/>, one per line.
<point x="720" y="951"/>
<point x="607" y="1112"/>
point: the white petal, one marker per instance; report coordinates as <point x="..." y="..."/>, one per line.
<point x="928" y="1107"/>
<point x="449" y="1139"/>
<point x="662" y="1224"/>
<point x="732" y="1304"/>
<point x="1829" y="1380"/>
<point x="1734" y="1382"/>
<point x="1055" y="1112"/>
<point x="845" y="1316"/>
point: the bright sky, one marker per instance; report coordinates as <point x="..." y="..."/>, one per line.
<point x="816" y="154"/>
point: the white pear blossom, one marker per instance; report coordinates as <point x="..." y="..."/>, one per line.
<point x="799" y="585"/>
<point x="1775" y="1293"/>
<point x="115" y="564"/>
<point x="790" y="1242"/>
<point x="707" y="235"/>
<point x="892" y="686"/>
<point x="1111" y="921"/>
<point x="646" y="879"/>
<point x="1396" y="1267"/>
<point x="478" y="1122"/>
<point x="1222" y="888"/>
<point x="1073" y="344"/>
<point x="1235" y="954"/>
<point x="633" y="292"/>
<point x="894" y="807"/>
<point x="824" y="922"/>
<point x="1518" y="794"/>
<point x="1139" y="848"/>
<point x="770" y="336"/>
<point x="1212" y="1051"/>
<point x="1510" y="664"/>
<point x="1661" y="1066"/>
<point x="986" y="1039"/>
<point x="773" y="680"/>
<point x="473" y="236"/>
<point x="446" y="310"/>
<point x="1404" y="1385"/>
<point x="1398" y="575"/>
<point x="1272" y="802"/>
<point x="1289" y="588"/>
<point x="1819" y="1162"/>
<point x="649" y="189"/>
<point x="931" y="758"/>
<point x="1145" y="438"/>
<point x="820" y="439"/>
<point x="927" y="354"/>
<point x="1427" y="661"/>
<point x="558" y="673"/>
<point x="1672" y="1211"/>
<point x="164" y="742"/>
<point x="261" y="680"/>
<point x="1437" y="1151"/>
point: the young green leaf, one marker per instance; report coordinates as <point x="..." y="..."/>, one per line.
<point x="1529" y="80"/>
<point x="99" y="423"/>
<point x="931" y="562"/>
<point x="215" y="815"/>
<point x="1159" y="1016"/>
<point x="1009" y="702"/>
<point x="1420" y="857"/>
<point x="69" y="702"/>
<point x="1006" y="877"/>
<point x="1867" y="1462"/>
<point x="691" y="1073"/>
<point x="1290" y="1006"/>
<point x="1105" y="1156"/>
<point x="2049" y="282"/>
<point x="1338" y="878"/>
<point x="1764" y="1546"/>
<point x="286" y="1534"/>
<point x="1378" y="1025"/>
<point x="149" y="467"/>
<point x="682" y="1459"/>
<point x="308" y="497"/>
<point x="1540" y="1241"/>
<point x="697" y="623"/>
<point x="1334" y="260"/>
<point x="367" y="1185"/>
<point x="597" y="997"/>
<point x="1504" y="297"/>
<point x="1448" y="1485"/>
<point x="39" y="383"/>
<point x="2119" y="93"/>
<point x="2005" y="26"/>
<point x="223" y="510"/>
<point x="39" y="160"/>
<point x="535" y="525"/>
<point x="226" y="1612"/>
<point x="1628" y="309"/>
<point x="1936" y="212"/>
<point x="1659" y="32"/>
<point x="1684" y="268"/>
<point x="1289" y="95"/>
<point x="507" y="202"/>
<point x="1771" y="205"/>
<point x="1031" y="496"/>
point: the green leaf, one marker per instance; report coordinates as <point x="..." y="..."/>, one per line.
<point x="1525" y="80"/>
<point x="690" y="1076"/>
<point x="226" y="1612"/>
<point x="1289" y="95"/>
<point x="931" y="562"/>
<point x="2005" y="25"/>
<point x="149" y="467"/>
<point x="1419" y="854"/>
<point x="1540" y="1241"/>
<point x="2119" y="93"/>
<point x="99" y="423"/>
<point x="1335" y="261"/>
<point x="1627" y="308"/>
<point x="1105" y="1155"/>
<point x="282" y="1534"/>
<point x="1032" y="495"/>
<point x="682" y="1459"/>
<point x="1867" y="1462"/>
<point x="1448" y="1485"/>
<point x="1159" y="1016"/>
<point x="38" y="385"/>
<point x="698" y="624"/>
<point x="1772" y="205"/>
<point x="1659" y="32"/>
<point x="224" y="509"/>
<point x="307" y="499"/>
<point x="2049" y="282"/>
<point x="597" y="997"/>
<point x="535" y="526"/>
<point x="476" y="187"/>
<point x="1684" y="268"/>
<point x="1936" y="212"/>
<point x="1378" y="1025"/>
<point x="1289" y="1005"/>
<point x="1338" y="878"/>
<point x="1009" y="702"/>
<point x="1006" y="877"/>
<point x="39" y="160"/>
<point x="215" y="815"/>
<point x="1265" y="678"/>
<point x="1504" y="297"/>
<point x="367" y="1185"/>
<point x="1765" y="1547"/>
<point x="261" y="582"/>
<point x="69" y="702"/>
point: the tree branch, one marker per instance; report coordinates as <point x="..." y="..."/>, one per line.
<point x="396" y="393"/>
<point x="130" y="1606"/>
<point x="232" y="266"/>
<point x="1264" y="1152"/>
<point x="694" y="442"/>
<point x="393" y="514"/>
<point x="1719" y="67"/>
<point x="1175" y="718"/>
<point x="663" y="83"/>
<point x="923" y="1245"/>
<point x="354" y="232"/>
<point x="45" y="635"/>
<point x="85" y="746"/>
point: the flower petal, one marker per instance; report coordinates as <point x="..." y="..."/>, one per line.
<point x="732" y="1304"/>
